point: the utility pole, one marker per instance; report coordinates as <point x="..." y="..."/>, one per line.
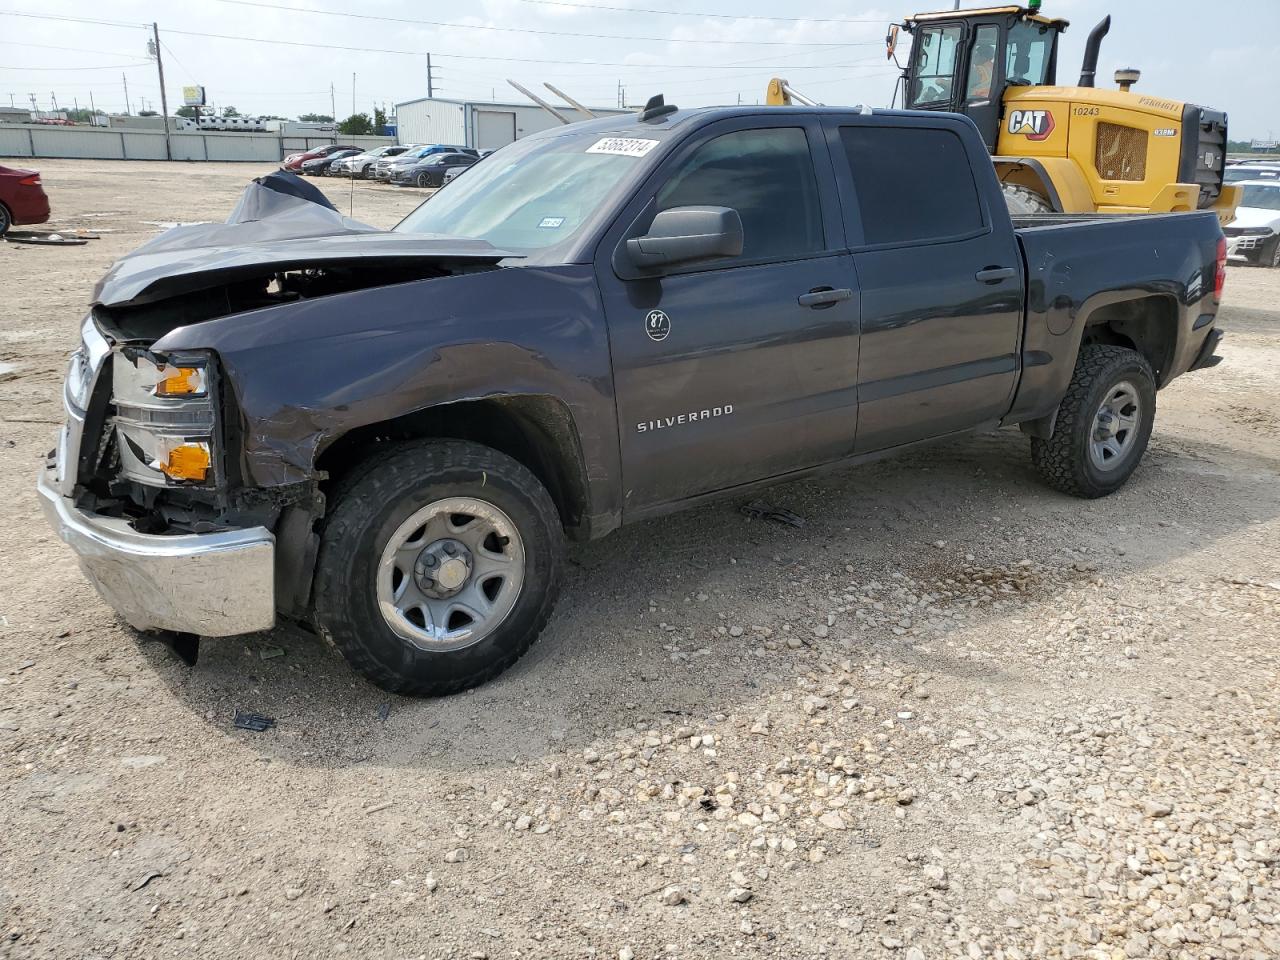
<point x="353" y="93"/>
<point x="93" y="109"/>
<point x="431" y="80"/>
<point x="125" y="80"/>
<point x="333" y="104"/>
<point x="164" y="100"/>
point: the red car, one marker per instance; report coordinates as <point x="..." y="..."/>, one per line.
<point x="294" y="161"/>
<point x="22" y="199"/>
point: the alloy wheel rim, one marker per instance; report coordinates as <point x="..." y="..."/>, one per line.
<point x="1115" y="427"/>
<point x="450" y="574"/>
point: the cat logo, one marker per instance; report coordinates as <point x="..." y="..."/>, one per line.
<point x="1033" y="124"/>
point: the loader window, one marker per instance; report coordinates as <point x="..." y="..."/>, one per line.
<point x="982" y="63"/>
<point x="1030" y="45"/>
<point x="935" y="60"/>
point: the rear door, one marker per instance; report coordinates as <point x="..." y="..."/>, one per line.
<point x="941" y="278"/>
<point x="741" y="369"/>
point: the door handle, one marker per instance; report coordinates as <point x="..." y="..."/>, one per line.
<point x="994" y="274"/>
<point x="821" y="297"/>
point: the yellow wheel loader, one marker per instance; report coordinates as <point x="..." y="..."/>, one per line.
<point x="1060" y="149"/>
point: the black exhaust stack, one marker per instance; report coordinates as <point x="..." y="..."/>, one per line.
<point x="1090" y="65"/>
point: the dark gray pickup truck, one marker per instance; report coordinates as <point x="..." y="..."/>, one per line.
<point x="387" y="435"/>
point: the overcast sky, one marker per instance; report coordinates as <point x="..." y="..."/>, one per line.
<point x="716" y="54"/>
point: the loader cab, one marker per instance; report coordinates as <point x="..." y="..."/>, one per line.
<point x="962" y="61"/>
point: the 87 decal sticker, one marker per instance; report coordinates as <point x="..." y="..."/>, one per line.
<point x="1033" y="124"/>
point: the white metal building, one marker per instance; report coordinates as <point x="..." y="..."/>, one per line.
<point x="473" y="123"/>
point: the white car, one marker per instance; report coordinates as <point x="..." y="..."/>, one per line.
<point x="1254" y="235"/>
<point x="1252" y="170"/>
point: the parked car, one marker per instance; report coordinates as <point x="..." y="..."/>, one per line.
<point x="383" y="171"/>
<point x="1251" y="170"/>
<point x="317" y="166"/>
<point x="429" y="171"/>
<point x="452" y="173"/>
<point x="389" y="434"/>
<point x="294" y="161"/>
<point x="22" y="199"/>
<point x="1254" y="235"/>
<point x="362" y="164"/>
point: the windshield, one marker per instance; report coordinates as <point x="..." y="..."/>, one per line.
<point x="1262" y="196"/>
<point x="532" y="194"/>
<point x="1029" y="47"/>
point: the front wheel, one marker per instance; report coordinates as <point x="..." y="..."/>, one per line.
<point x="1103" y="424"/>
<point x="424" y="180"/>
<point x="1024" y="202"/>
<point x="6" y="221"/>
<point x="438" y="567"/>
<point x="1269" y="255"/>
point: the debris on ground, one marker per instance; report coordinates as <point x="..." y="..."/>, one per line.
<point x="759" y="510"/>
<point x="253" y="721"/>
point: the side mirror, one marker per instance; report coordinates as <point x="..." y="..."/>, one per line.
<point x="687" y="234"/>
<point x="891" y="41"/>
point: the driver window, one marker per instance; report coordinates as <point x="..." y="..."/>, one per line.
<point x="935" y="65"/>
<point x="982" y="62"/>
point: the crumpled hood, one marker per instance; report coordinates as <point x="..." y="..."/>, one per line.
<point x="281" y="222"/>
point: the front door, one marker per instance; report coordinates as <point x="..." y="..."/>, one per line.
<point x="941" y="281"/>
<point x="984" y="82"/>
<point x="742" y="369"/>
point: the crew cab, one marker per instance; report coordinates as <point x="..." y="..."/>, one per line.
<point x="388" y="435"/>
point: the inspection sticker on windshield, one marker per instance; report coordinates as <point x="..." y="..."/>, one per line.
<point x="624" y="146"/>
<point x="551" y="223"/>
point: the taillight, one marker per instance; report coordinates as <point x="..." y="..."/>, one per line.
<point x="31" y="181"/>
<point x="1220" y="275"/>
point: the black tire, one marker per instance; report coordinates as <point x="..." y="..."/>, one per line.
<point x="424" y="180"/>
<point x="369" y="506"/>
<point x="1064" y="460"/>
<point x="6" y="220"/>
<point x="1269" y="256"/>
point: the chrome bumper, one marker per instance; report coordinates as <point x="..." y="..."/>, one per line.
<point x="212" y="584"/>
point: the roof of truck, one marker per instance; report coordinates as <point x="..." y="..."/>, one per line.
<point x="1010" y="10"/>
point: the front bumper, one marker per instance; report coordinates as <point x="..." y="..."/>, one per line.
<point x="212" y="584"/>
<point x="1241" y="246"/>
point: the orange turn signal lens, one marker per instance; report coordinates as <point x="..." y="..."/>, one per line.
<point x="180" y="382"/>
<point x="187" y="462"/>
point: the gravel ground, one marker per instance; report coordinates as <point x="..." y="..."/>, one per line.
<point x="955" y="714"/>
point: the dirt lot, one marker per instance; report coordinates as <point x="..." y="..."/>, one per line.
<point x="955" y="714"/>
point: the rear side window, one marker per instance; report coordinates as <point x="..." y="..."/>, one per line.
<point x="767" y="176"/>
<point x="913" y="183"/>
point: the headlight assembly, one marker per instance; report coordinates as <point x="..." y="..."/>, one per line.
<point x="164" y="417"/>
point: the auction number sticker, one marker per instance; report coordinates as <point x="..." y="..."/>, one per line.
<point x="623" y="146"/>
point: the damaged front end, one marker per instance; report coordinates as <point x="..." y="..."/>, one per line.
<point x="147" y="483"/>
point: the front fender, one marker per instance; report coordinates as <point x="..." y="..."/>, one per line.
<point x="306" y="373"/>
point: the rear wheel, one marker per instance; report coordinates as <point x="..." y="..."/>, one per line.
<point x="439" y="566"/>
<point x="1104" y="423"/>
<point x="1024" y="202"/>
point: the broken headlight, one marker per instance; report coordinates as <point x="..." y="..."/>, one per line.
<point x="164" y="416"/>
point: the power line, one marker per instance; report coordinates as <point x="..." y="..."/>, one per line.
<point x="420" y="53"/>
<point x="545" y="33"/>
<point x="47" y="46"/>
<point x="109" y="66"/>
<point x="463" y="56"/>
<point x="714" y="16"/>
